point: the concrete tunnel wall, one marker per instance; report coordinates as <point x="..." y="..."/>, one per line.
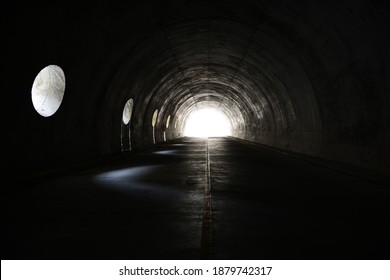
<point x="308" y="76"/>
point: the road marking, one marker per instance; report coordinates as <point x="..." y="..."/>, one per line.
<point x="207" y="245"/>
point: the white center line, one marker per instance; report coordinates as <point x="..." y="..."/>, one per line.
<point x="207" y="221"/>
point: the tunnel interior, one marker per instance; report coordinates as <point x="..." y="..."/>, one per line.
<point x="308" y="77"/>
<point x="85" y="84"/>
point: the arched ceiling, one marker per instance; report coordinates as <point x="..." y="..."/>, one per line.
<point x="308" y="76"/>
<point x="230" y="53"/>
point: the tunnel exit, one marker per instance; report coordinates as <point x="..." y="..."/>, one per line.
<point x="207" y="123"/>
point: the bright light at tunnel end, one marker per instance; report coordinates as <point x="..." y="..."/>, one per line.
<point x="207" y="123"/>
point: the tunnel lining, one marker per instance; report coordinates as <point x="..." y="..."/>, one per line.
<point x="312" y="79"/>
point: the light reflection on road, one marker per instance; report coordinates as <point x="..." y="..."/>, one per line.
<point x="128" y="179"/>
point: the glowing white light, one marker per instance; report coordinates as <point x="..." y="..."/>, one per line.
<point x="168" y="120"/>
<point x="48" y="90"/>
<point x="154" y="117"/>
<point x="127" y="110"/>
<point x="207" y="123"/>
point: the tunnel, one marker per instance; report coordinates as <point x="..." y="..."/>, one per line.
<point x="97" y="163"/>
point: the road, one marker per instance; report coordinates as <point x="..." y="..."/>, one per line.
<point x="216" y="198"/>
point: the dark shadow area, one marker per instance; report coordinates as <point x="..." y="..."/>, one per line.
<point x="265" y="205"/>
